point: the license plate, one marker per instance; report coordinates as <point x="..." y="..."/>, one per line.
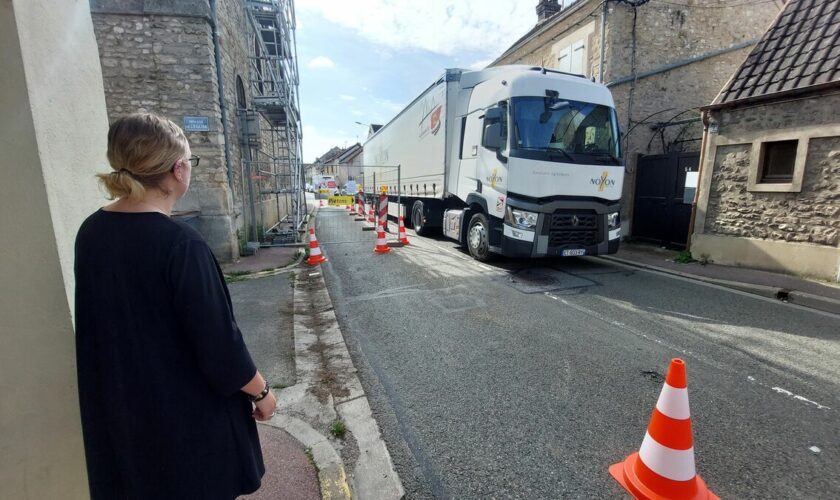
<point x="573" y="253"/>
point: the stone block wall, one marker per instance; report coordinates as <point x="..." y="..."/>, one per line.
<point x="809" y="216"/>
<point x="667" y="34"/>
<point x="153" y="62"/>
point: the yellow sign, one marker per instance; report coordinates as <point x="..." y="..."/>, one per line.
<point x="335" y="201"/>
<point x="383" y="189"/>
<point x="325" y="191"/>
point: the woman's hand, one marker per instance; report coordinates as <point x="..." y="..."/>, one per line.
<point x="265" y="408"/>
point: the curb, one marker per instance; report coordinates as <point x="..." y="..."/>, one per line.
<point x="271" y="272"/>
<point x="803" y="299"/>
<point x="305" y="415"/>
<point x="331" y="475"/>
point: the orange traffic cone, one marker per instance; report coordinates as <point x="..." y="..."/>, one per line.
<point x="381" y="244"/>
<point x="315" y="255"/>
<point x="663" y="467"/>
<point x="402" y="235"/>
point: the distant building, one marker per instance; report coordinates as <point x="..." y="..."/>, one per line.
<point x="662" y="61"/>
<point x="769" y="192"/>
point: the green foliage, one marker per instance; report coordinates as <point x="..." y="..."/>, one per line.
<point x="684" y="257"/>
<point x="338" y="429"/>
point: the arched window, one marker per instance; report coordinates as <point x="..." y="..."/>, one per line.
<point x="240" y="93"/>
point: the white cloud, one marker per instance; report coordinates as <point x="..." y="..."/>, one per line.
<point x="316" y="144"/>
<point x="321" y="62"/>
<point x="480" y="64"/>
<point x="386" y="106"/>
<point x="440" y="26"/>
<point x="347" y="97"/>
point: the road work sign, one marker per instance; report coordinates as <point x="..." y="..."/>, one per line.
<point x="335" y="201"/>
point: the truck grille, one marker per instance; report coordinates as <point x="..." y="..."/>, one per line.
<point x="559" y="238"/>
<point x="573" y="228"/>
<point x="561" y="221"/>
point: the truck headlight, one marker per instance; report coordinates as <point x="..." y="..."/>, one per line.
<point x="521" y="218"/>
<point x="613" y="221"/>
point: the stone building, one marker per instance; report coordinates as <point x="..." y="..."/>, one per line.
<point x="769" y="192"/>
<point x="662" y="60"/>
<point x="350" y="164"/>
<point x="226" y="71"/>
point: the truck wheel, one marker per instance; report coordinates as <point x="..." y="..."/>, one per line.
<point x="417" y="219"/>
<point x="478" y="238"/>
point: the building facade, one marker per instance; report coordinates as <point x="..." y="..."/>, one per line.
<point x="661" y="60"/>
<point x="211" y="66"/>
<point x="53" y="134"/>
<point x="769" y="193"/>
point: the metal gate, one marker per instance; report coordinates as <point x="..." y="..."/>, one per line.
<point x="665" y="186"/>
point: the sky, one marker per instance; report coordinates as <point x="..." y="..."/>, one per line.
<point x="365" y="60"/>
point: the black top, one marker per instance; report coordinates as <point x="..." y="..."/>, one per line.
<point x="160" y="364"/>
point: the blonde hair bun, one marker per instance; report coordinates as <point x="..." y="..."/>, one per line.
<point x="142" y="149"/>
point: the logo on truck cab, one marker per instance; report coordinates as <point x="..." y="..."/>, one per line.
<point x="603" y="181"/>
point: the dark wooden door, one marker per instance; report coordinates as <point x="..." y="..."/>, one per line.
<point x="660" y="212"/>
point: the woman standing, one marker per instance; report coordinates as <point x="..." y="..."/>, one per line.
<point x="167" y="388"/>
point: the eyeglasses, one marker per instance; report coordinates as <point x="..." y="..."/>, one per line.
<point x="194" y="159"/>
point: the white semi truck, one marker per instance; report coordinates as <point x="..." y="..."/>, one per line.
<point x="520" y="161"/>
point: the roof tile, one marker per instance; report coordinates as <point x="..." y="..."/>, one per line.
<point x="800" y="49"/>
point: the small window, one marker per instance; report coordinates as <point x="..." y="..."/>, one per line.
<point x="777" y="162"/>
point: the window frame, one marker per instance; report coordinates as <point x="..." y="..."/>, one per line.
<point x="764" y="157"/>
<point x="755" y="182"/>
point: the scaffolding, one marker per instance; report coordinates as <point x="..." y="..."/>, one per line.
<point x="271" y="158"/>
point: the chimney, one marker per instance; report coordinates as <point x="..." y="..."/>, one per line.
<point x="546" y="9"/>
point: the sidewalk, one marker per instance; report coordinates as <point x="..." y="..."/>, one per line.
<point x="264" y="312"/>
<point x="807" y="293"/>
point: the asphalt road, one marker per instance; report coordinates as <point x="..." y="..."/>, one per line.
<point x="528" y="379"/>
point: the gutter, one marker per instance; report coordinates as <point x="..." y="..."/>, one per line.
<point x="768" y="98"/>
<point x="684" y="62"/>
<point x="214" y="22"/>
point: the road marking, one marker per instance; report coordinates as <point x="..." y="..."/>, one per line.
<point x="600" y="317"/>
<point x="800" y="398"/>
<point x="789" y="394"/>
<point x="718" y="287"/>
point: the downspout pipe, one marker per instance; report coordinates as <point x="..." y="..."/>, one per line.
<point x="603" y="42"/>
<point x="704" y="116"/>
<point x="217" y="53"/>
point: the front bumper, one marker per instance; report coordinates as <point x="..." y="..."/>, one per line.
<point x="562" y="225"/>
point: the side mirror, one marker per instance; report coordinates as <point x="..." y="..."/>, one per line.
<point x="492" y="136"/>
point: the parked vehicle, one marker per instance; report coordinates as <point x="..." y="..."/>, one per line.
<point x="325" y="184"/>
<point x="511" y="160"/>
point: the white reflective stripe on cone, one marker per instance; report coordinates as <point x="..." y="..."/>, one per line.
<point x="673" y="402"/>
<point x="677" y="465"/>
<point x="315" y="251"/>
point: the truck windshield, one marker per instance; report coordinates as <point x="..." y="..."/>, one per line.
<point x="557" y="129"/>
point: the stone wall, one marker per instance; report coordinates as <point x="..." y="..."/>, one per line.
<point x="664" y="34"/>
<point x="810" y="216"/>
<point x="165" y="64"/>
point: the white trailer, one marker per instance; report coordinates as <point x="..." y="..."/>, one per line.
<point x="510" y="160"/>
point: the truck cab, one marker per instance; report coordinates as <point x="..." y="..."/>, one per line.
<point x="540" y="167"/>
